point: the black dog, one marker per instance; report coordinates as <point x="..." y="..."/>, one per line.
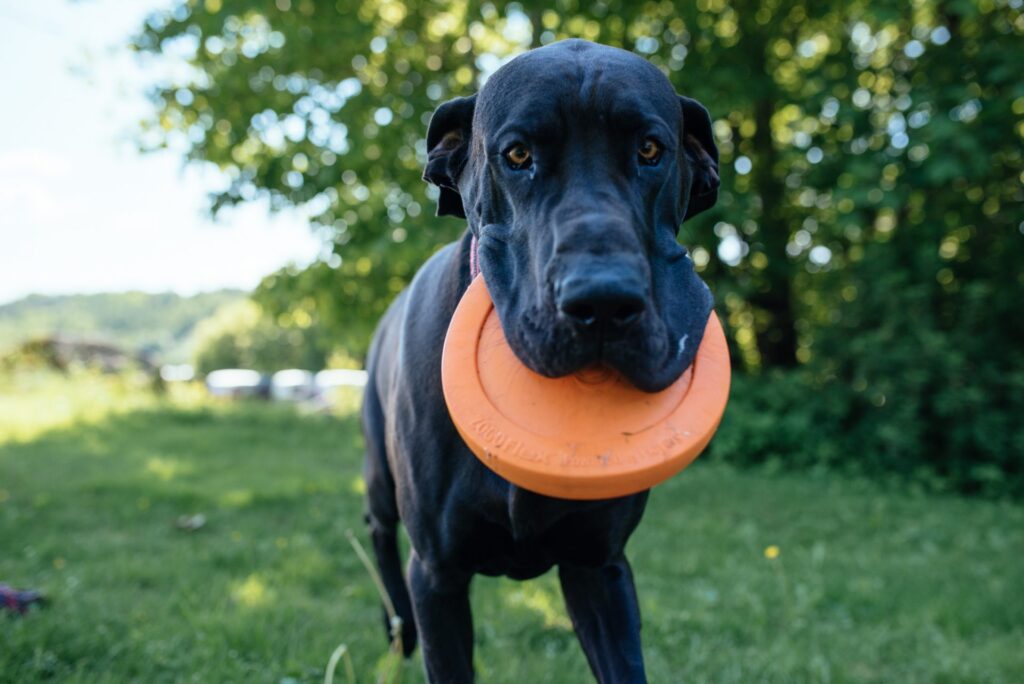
<point x="575" y="165"/>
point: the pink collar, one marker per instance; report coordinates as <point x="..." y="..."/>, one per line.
<point x="474" y="260"/>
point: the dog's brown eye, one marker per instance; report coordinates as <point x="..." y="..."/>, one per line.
<point x="518" y="156"/>
<point x="649" y="152"/>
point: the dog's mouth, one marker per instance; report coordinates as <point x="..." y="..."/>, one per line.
<point x="642" y="355"/>
<point x="547" y="330"/>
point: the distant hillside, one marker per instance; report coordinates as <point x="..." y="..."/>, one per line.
<point x="159" y="324"/>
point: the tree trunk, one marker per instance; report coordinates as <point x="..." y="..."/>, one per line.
<point x="777" y="341"/>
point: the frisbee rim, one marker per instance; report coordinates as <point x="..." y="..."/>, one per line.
<point x="579" y="469"/>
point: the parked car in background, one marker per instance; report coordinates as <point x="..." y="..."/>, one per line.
<point x="238" y="382"/>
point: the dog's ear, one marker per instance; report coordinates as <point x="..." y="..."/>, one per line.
<point x="702" y="155"/>
<point x="447" y="151"/>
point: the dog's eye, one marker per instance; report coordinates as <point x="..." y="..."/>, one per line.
<point x="518" y="156"/>
<point x="649" y="152"/>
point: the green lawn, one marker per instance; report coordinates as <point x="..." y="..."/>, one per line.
<point x="870" y="584"/>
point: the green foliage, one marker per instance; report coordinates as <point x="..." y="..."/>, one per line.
<point x="945" y="425"/>
<point x="941" y="387"/>
<point x="156" y="324"/>
<point x="869" y="228"/>
<point x="869" y="585"/>
<point x="240" y="335"/>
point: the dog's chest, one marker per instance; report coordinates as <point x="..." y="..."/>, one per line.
<point x="531" y="515"/>
<point x="525" y="534"/>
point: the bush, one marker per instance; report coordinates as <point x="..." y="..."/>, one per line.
<point x="960" y="437"/>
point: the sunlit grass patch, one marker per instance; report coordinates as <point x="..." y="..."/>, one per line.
<point x="35" y="400"/>
<point x="545" y="601"/>
<point x="251" y="592"/>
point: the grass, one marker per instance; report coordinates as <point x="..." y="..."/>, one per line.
<point x="869" y="584"/>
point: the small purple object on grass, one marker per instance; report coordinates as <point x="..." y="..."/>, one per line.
<point x="18" y="601"/>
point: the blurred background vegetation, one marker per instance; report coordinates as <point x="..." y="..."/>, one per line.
<point x="156" y="325"/>
<point x="866" y="250"/>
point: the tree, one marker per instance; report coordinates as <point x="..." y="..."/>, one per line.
<point x="868" y="231"/>
<point x="240" y="335"/>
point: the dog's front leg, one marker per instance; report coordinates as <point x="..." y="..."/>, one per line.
<point x="603" y="606"/>
<point x="441" y="604"/>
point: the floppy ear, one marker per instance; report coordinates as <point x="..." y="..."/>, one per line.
<point x="702" y="155"/>
<point x="447" y="151"/>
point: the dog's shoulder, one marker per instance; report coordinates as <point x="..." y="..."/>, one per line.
<point x="407" y="344"/>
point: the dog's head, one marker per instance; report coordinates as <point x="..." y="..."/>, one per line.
<point x="575" y="165"/>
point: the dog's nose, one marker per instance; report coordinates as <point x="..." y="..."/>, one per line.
<point x="604" y="300"/>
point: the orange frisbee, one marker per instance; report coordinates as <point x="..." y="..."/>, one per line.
<point x="590" y="435"/>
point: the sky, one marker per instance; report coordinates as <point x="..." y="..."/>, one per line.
<point x="80" y="209"/>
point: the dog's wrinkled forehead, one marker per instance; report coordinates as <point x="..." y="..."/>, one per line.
<point x="572" y="83"/>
